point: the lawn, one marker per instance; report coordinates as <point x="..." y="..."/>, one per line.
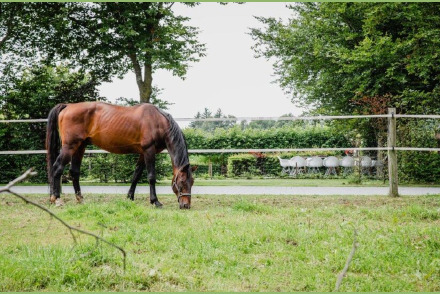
<point x="224" y="243"/>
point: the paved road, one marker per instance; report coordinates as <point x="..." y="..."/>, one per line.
<point x="239" y="190"/>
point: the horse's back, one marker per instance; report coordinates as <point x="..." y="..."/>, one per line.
<point x="117" y="129"/>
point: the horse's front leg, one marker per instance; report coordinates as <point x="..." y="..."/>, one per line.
<point x="140" y="165"/>
<point x="150" y="164"/>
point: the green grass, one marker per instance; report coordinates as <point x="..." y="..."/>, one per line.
<point x="224" y="243"/>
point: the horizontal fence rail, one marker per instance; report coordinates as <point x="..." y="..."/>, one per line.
<point x="259" y="118"/>
<point x="207" y="151"/>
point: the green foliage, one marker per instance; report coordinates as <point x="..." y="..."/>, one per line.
<point x="345" y="58"/>
<point x="107" y="39"/>
<point x="242" y="164"/>
<point x="287" y="137"/>
<point x="119" y="168"/>
<point x="360" y="58"/>
<point x="332" y="54"/>
<point x="247" y="165"/>
<point x="31" y="96"/>
<point x="419" y="167"/>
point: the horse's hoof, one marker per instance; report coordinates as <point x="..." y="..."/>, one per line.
<point x="53" y="199"/>
<point x="158" y="204"/>
<point x="59" y="202"/>
<point x="79" y="199"/>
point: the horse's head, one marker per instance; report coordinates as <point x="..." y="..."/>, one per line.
<point x="182" y="183"/>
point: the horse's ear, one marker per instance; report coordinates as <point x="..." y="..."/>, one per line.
<point x="194" y="168"/>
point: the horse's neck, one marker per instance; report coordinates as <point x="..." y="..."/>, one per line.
<point x="179" y="158"/>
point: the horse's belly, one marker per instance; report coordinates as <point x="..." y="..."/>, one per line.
<point x="117" y="146"/>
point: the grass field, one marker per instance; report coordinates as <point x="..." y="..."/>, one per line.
<point x="224" y="243"/>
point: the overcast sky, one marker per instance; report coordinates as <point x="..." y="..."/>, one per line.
<point x="229" y="77"/>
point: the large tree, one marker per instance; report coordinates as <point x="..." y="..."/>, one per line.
<point x="337" y="56"/>
<point x="106" y="39"/>
<point x="359" y="58"/>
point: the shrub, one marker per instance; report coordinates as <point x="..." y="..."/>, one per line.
<point x="242" y="164"/>
<point x="120" y="168"/>
<point x="413" y="166"/>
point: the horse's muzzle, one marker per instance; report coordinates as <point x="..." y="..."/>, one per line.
<point x="184" y="205"/>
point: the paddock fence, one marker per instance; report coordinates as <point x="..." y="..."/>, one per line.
<point x="391" y="147"/>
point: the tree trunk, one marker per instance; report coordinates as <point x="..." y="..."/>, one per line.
<point x="146" y="89"/>
<point x="144" y="83"/>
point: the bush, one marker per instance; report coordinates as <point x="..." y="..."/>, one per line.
<point x="419" y="167"/>
<point x="414" y="166"/>
<point x="120" y="168"/>
<point x="242" y="164"/>
<point x="286" y="137"/>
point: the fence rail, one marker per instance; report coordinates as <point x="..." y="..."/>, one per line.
<point x="274" y="150"/>
<point x="259" y="118"/>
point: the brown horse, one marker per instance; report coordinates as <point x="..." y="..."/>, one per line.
<point x="143" y="129"/>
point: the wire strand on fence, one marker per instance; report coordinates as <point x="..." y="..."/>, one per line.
<point x="259" y="118"/>
<point x="23" y="120"/>
<point x="277" y="150"/>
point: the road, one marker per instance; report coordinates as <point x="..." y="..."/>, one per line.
<point x="238" y="190"/>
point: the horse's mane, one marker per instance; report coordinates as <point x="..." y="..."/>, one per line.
<point x="177" y="139"/>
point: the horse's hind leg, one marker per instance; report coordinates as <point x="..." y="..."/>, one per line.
<point x="140" y="166"/>
<point x="74" y="171"/>
<point x="62" y="160"/>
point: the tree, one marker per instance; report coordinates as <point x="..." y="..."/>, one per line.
<point x="106" y="39"/>
<point x="331" y="55"/>
<point x="360" y="58"/>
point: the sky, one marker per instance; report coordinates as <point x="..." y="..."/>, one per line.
<point x="229" y="77"/>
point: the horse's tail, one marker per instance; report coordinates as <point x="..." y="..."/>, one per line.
<point x="53" y="143"/>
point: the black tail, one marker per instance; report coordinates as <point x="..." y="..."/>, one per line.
<point x="53" y="143"/>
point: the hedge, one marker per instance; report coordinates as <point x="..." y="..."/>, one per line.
<point x="242" y="164"/>
<point x="119" y="168"/>
<point x="286" y="137"/>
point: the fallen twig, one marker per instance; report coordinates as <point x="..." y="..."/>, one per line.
<point x="29" y="173"/>
<point x="347" y="263"/>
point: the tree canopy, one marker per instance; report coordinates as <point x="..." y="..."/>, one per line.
<point x="103" y="39"/>
<point x="341" y="57"/>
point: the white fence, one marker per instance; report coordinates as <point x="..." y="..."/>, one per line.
<point x="391" y="148"/>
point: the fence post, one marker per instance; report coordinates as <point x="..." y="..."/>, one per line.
<point x="210" y="169"/>
<point x="392" y="155"/>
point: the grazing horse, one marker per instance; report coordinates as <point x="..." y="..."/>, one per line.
<point x="142" y="129"/>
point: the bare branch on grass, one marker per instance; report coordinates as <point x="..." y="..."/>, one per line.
<point x="347" y="263"/>
<point x="29" y="173"/>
